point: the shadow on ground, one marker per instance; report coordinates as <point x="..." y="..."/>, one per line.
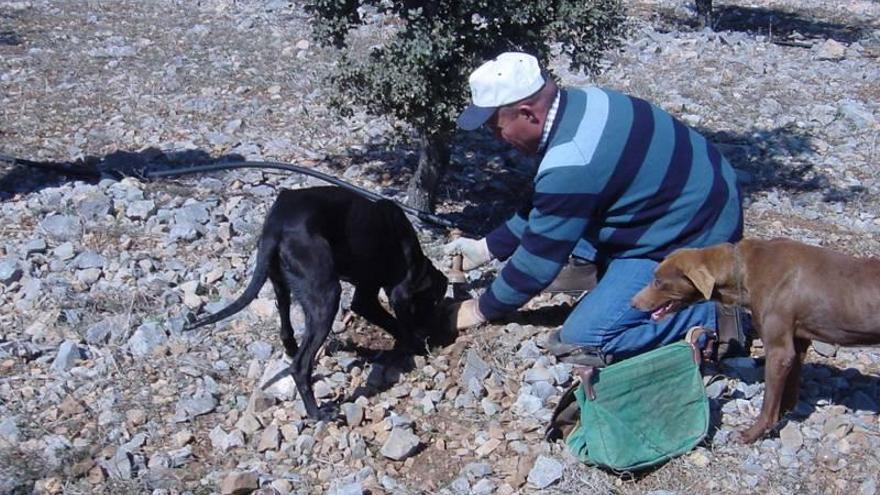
<point x="773" y="23"/>
<point x="821" y="384"/>
<point x="9" y="38"/>
<point x="781" y="24"/>
<point x="386" y="370"/>
<point x="781" y="158"/>
<point x="22" y="176"/>
<point x="848" y="387"/>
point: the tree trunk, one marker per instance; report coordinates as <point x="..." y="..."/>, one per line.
<point x="704" y="12"/>
<point x="433" y="159"/>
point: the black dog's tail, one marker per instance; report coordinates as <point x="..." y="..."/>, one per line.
<point x="265" y="253"/>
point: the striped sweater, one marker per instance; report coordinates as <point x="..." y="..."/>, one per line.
<point x="626" y="177"/>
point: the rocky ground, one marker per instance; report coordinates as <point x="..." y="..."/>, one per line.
<point x="101" y="392"/>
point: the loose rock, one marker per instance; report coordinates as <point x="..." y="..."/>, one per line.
<point x="239" y="483"/>
<point x="545" y="472"/>
<point x="400" y="444"/>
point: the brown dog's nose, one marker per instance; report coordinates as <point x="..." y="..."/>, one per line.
<point x="638" y="301"/>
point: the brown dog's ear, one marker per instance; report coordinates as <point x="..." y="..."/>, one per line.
<point x="702" y="280"/>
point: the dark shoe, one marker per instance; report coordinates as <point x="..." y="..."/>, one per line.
<point x="577" y="354"/>
<point x="734" y="329"/>
<point x="578" y="275"/>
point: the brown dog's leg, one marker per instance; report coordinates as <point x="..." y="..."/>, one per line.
<point x="781" y="358"/>
<point x="793" y="383"/>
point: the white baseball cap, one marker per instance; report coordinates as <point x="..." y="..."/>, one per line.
<point x="508" y="78"/>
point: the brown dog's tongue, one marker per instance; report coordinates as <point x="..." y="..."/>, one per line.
<point x="661" y="311"/>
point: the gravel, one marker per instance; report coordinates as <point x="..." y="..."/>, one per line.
<point x="102" y="392"/>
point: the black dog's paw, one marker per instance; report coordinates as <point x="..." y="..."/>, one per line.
<point x="440" y="330"/>
<point x="328" y="414"/>
<point x="442" y="335"/>
<point x="393" y="356"/>
<point x="417" y="347"/>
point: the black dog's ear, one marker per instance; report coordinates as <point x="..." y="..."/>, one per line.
<point x="398" y="223"/>
<point x="399" y="294"/>
<point x="401" y="300"/>
<point x="441" y="282"/>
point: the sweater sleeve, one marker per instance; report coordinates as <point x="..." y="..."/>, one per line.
<point x="560" y="214"/>
<point x="504" y="240"/>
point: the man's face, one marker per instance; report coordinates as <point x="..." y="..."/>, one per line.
<point x="518" y="126"/>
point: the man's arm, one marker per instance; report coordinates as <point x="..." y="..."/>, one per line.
<point x="504" y="240"/>
<point x="560" y="214"/>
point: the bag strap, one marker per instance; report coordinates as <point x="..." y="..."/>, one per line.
<point x="567" y="412"/>
<point x="586" y="373"/>
<point x="565" y="416"/>
<point x="693" y="339"/>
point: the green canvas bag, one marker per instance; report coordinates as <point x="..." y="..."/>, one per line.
<point x="641" y="411"/>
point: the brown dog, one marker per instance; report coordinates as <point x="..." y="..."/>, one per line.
<point x="796" y="293"/>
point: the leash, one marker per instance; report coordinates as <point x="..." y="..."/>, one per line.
<point x="149" y="171"/>
<point x="420" y="214"/>
<point x="737" y="267"/>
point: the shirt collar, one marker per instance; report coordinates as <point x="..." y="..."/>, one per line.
<point x="548" y="124"/>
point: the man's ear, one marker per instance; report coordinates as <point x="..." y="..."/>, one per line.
<point x="702" y="280"/>
<point x="527" y="111"/>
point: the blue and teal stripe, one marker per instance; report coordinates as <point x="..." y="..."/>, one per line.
<point x="623" y="176"/>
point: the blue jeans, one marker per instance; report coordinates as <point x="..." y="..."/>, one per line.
<point x="605" y="319"/>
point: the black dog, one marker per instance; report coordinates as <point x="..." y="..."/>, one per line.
<point x="315" y="237"/>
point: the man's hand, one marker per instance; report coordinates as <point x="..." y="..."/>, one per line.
<point x="475" y="252"/>
<point x="466" y="314"/>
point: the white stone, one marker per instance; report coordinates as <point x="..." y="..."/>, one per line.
<point x="400" y="444"/>
<point x="545" y="472"/>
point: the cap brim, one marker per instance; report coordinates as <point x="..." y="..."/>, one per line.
<point x="473" y="117"/>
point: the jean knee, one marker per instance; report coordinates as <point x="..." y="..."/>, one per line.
<point x="585" y="331"/>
